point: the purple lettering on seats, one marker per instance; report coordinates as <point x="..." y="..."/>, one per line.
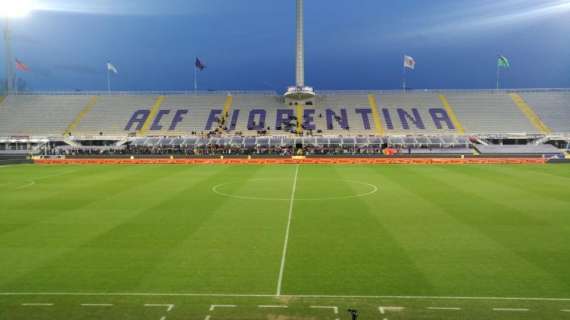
<point x="332" y="117"/>
<point x="415" y="118"/>
<point x="440" y="115"/>
<point x="309" y="119"/>
<point x="178" y="117"/>
<point x="388" y="119"/>
<point x="365" y="113"/>
<point x="233" y="122"/>
<point x="139" y="117"/>
<point x="284" y="117"/>
<point x="213" y="118"/>
<point x="156" y="123"/>
<point x="256" y="120"/>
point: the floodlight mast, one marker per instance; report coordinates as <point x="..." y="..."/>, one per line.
<point x="10" y="82"/>
<point x="300" y="70"/>
<point x="300" y="91"/>
<point x="8" y="10"/>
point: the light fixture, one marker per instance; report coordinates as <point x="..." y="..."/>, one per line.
<point x="15" y="8"/>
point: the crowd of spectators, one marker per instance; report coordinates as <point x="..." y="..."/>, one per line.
<point x="217" y="150"/>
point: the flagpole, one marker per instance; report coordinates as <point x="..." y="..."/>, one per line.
<point x="108" y="80"/>
<point x="498" y="76"/>
<point x="195" y="79"/>
<point x="404" y="81"/>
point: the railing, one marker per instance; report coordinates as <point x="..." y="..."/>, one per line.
<point x="379" y="92"/>
<point x="274" y="93"/>
<point x="145" y="93"/>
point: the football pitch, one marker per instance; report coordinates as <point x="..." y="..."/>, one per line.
<point x="284" y="242"/>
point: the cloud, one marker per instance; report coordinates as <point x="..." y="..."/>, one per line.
<point x="125" y="7"/>
<point x="488" y="16"/>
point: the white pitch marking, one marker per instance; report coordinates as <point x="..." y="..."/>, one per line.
<point x="444" y="308"/>
<point x="373" y="189"/>
<point x="27" y="185"/>
<point x="33" y="182"/>
<point x="383" y="309"/>
<point x="238" y="295"/>
<point x="163" y="318"/>
<point x="565" y="310"/>
<point x="382" y="312"/>
<point x="37" y="304"/>
<point x="168" y="307"/>
<point x="272" y="306"/>
<point x="207" y="317"/>
<point x="334" y="308"/>
<point x="286" y="242"/>
<point x="214" y="306"/>
<point x="511" y="309"/>
<point x="96" y="305"/>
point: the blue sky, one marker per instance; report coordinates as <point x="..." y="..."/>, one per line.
<point x="249" y="44"/>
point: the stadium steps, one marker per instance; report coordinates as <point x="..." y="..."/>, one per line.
<point x="153" y="112"/>
<point x="39" y="115"/>
<point x="226" y="113"/>
<point x="300" y="116"/>
<point x="552" y="107"/>
<point x="484" y="113"/>
<point x="376" y="115"/>
<point x="528" y="111"/>
<point x="447" y="106"/>
<point x="88" y="107"/>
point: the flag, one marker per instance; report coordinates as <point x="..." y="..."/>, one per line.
<point x="409" y="62"/>
<point x="112" y="68"/>
<point x="503" y="62"/>
<point x="199" y="64"/>
<point x="22" y="66"/>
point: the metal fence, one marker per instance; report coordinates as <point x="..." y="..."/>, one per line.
<point x="275" y="93"/>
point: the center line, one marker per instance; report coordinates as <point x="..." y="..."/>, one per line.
<point x="286" y="242"/>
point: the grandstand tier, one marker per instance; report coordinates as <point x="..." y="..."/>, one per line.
<point x="333" y="113"/>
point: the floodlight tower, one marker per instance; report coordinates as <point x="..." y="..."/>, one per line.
<point x="8" y="56"/>
<point x="300" y="91"/>
<point x="10" y="10"/>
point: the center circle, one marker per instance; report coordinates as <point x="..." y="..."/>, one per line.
<point x="327" y="187"/>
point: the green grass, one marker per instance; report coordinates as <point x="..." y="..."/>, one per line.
<point x="428" y="232"/>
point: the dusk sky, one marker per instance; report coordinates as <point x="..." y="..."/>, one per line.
<point x="249" y="45"/>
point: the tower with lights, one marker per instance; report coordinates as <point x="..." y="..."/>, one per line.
<point x="300" y="92"/>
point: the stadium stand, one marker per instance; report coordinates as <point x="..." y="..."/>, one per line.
<point x="544" y="149"/>
<point x="425" y="104"/>
<point x="552" y="107"/>
<point x="494" y="112"/>
<point x="392" y="114"/>
<point x="252" y="113"/>
<point x="39" y="115"/>
<point x="111" y="115"/>
<point x="194" y="112"/>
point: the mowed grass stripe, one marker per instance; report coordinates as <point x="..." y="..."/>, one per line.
<point x="339" y="246"/>
<point x="494" y="214"/>
<point x="59" y="198"/>
<point x="417" y="214"/>
<point x="63" y="256"/>
<point x="238" y="248"/>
